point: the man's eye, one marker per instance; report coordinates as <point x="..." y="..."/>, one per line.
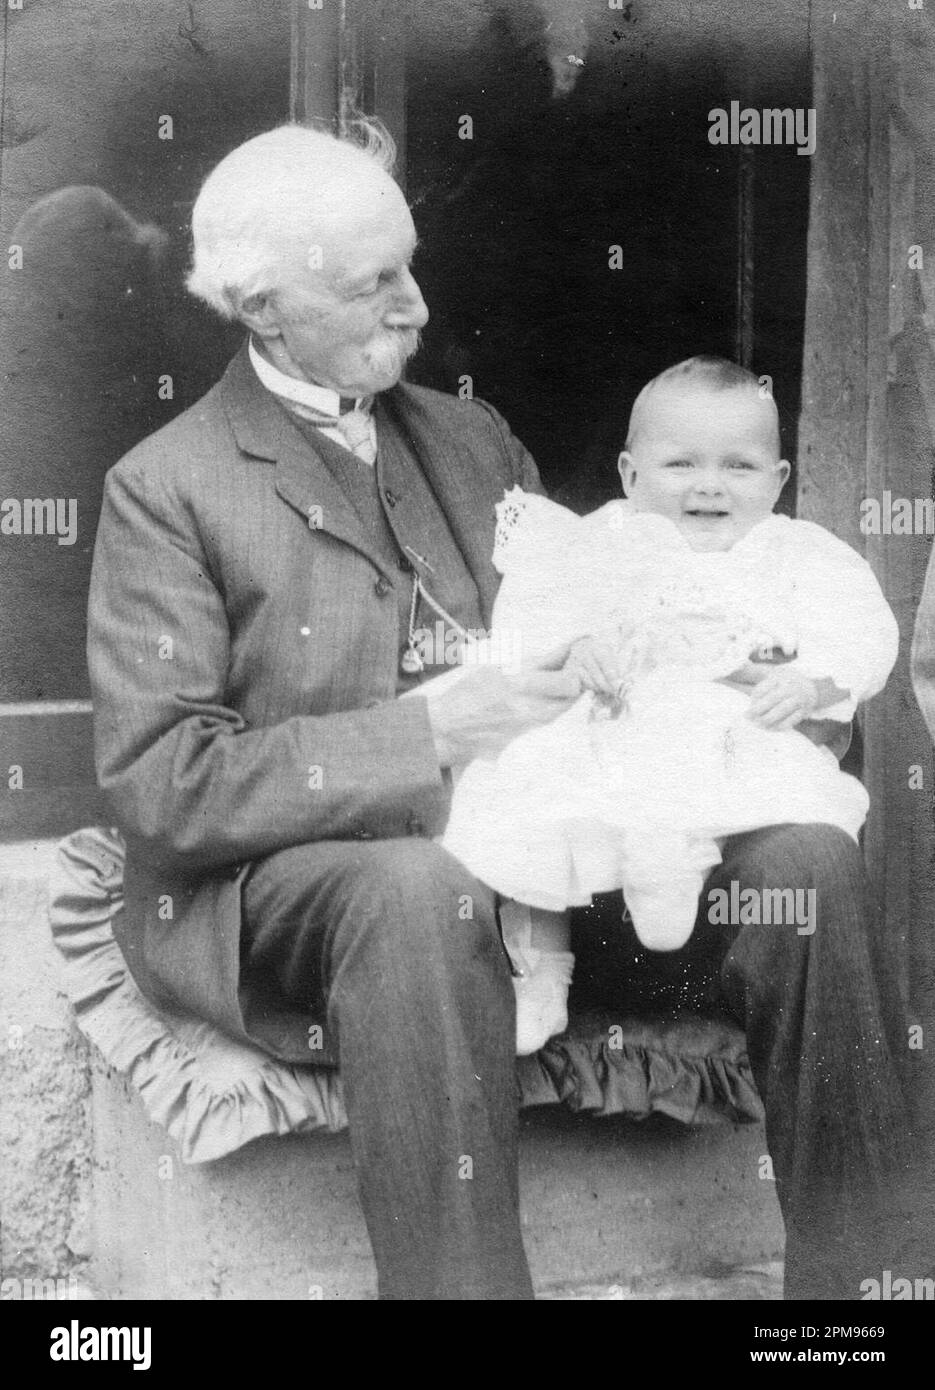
<point x="386" y="277"/>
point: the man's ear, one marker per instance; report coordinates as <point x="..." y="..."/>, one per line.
<point x="258" y="312"/>
<point x="627" y="470"/>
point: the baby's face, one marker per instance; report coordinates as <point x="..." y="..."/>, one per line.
<point x="708" y="460"/>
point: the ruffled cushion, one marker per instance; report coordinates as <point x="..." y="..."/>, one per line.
<point x="693" y="1068"/>
<point x="213" y="1094"/>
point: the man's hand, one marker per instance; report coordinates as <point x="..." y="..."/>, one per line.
<point x="595" y="664"/>
<point x="783" y="697"/>
<point x="477" y="716"/>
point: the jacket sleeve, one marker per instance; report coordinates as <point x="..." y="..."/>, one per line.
<point x="847" y="630"/>
<point x="188" y="781"/>
<point x="522" y="465"/>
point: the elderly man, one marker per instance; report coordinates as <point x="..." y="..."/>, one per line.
<point x="261" y="568"/>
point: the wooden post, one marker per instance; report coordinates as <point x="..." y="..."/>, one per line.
<point x="844" y="368"/>
<point x="314" y="71"/>
<point x="348" y="59"/>
<point x="832" y="451"/>
<point x="746" y="181"/>
<point x="866" y="430"/>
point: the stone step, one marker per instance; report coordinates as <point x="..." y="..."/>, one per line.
<point x="92" y="1191"/>
<point x="608" y="1206"/>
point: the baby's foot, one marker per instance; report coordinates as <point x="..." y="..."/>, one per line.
<point x="541" y="996"/>
<point x="663" y="887"/>
<point x="664" y="918"/>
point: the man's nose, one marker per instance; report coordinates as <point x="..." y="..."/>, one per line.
<point x="409" y="309"/>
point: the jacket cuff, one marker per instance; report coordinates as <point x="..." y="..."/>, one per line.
<point x="420" y="802"/>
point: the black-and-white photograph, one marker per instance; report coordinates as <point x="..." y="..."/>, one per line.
<point x="467" y="660"/>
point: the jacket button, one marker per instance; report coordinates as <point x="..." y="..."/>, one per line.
<point x="391" y="498"/>
<point x="414" y="824"/>
<point x="382" y="586"/>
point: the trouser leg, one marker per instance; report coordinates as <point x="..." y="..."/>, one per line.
<point x="402" y="944"/>
<point x="817" y="1040"/>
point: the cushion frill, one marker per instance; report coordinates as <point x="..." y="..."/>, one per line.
<point x="692" y="1068"/>
<point x="213" y="1094"/>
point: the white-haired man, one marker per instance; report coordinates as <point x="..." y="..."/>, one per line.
<point x="262" y="566"/>
<point x="258" y="581"/>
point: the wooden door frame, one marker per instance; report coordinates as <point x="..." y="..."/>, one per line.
<point x="349" y="59"/>
<point x="863" y="373"/>
<point x="844" y="447"/>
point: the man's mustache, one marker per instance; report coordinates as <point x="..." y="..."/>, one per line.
<point x="410" y="340"/>
<point x="402" y="342"/>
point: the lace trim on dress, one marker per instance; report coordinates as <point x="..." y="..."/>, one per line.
<point x="511" y="513"/>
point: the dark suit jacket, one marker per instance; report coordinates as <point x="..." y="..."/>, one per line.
<point x="234" y="649"/>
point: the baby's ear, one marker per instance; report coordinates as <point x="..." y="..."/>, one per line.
<point x="627" y="470"/>
<point x="783" y="471"/>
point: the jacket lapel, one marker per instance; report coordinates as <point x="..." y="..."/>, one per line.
<point x="463" y="490"/>
<point x="263" y="430"/>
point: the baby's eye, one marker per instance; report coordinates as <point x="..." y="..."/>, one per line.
<point x="679" y="463"/>
<point x="741" y="465"/>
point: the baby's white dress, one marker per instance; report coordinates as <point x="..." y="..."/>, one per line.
<point x="638" y="797"/>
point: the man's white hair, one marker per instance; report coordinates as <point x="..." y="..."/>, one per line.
<point x="262" y="194"/>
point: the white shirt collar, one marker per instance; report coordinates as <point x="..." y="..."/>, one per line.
<point x="318" y="398"/>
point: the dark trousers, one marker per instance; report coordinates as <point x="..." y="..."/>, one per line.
<point x="819" y="1042"/>
<point x="400" y="945"/>
<point x="397" y="946"/>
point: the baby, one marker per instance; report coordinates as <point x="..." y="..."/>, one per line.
<point x="713" y="640"/>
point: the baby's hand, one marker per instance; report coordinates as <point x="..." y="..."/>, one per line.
<point x="594" y="661"/>
<point x="783" y="698"/>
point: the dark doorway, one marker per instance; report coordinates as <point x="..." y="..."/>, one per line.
<point x="518" y="222"/>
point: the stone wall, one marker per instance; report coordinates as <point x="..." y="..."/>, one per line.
<point x="45" y="1089"/>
